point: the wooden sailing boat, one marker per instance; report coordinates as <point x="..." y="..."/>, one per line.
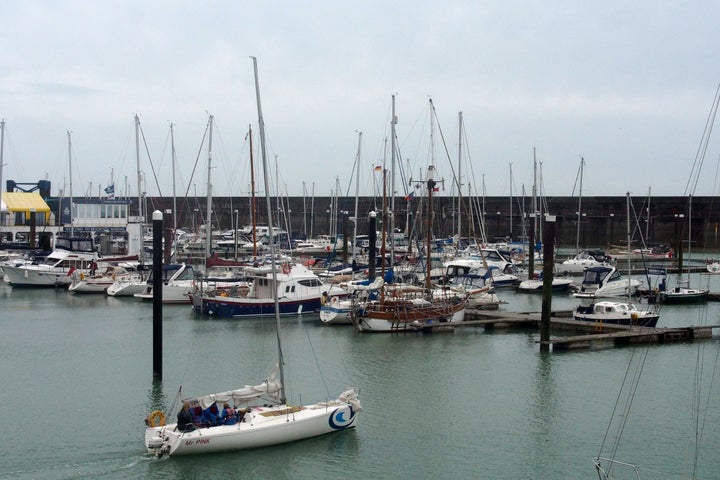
<point x="411" y="308"/>
<point x="270" y="421"/>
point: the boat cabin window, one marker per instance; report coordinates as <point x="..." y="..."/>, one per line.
<point x="310" y="282"/>
<point x="492" y="255"/>
<point x="186" y="274"/>
<point x="596" y="276"/>
<point x="73" y="263"/>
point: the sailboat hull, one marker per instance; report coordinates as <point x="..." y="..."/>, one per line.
<point x="684" y="295"/>
<point x="403" y="316"/>
<point x="261" y="427"/>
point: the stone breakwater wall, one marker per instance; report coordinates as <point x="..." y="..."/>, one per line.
<point x="602" y="221"/>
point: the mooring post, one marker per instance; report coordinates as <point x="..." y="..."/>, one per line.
<point x="548" y="264"/>
<point x="157" y="293"/>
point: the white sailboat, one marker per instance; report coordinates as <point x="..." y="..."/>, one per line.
<point x="270" y="422"/>
<point x="683" y="293"/>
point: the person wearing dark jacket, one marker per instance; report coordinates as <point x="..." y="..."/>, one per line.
<point x="184" y="419"/>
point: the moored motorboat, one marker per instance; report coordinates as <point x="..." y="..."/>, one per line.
<point x="581" y="261"/>
<point x="536" y="285"/>
<point x="606" y="281"/>
<point x="299" y="291"/>
<point x="71" y="254"/>
<point x="617" y="313"/>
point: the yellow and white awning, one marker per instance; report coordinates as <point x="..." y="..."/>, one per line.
<point x="24" y="202"/>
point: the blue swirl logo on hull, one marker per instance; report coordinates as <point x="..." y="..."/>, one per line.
<point x="342" y="418"/>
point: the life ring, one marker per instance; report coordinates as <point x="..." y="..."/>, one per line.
<point x="334" y="300"/>
<point x="286" y="268"/>
<point x="327" y="248"/>
<point x="155" y="419"/>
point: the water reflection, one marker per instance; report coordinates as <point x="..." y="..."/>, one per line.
<point x="156" y="399"/>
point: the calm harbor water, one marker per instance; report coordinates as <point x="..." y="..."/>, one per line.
<point x="77" y="384"/>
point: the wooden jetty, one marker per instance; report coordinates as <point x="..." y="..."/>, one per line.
<point x="593" y="335"/>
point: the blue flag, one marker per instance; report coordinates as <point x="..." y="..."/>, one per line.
<point x="110" y="189"/>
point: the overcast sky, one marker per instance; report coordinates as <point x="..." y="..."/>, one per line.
<point x="628" y="86"/>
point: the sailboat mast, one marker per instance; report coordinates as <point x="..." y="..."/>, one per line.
<point x="139" y="176"/>
<point x="534" y="202"/>
<point x="208" y="220"/>
<point x="627" y="207"/>
<point x="459" y="176"/>
<point x="2" y="150"/>
<point x="253" y="207"/>
<point x="511" y="202"/>
<point x="261" y="122"/>
<point x="430" y="187"/>
<point x="579" y="212"/>
<point x="689" y="236"/>
<point x="175" y="210"/>
<point x="647" y="225"/>
<point x="72" y="231"/>
<point x="304" y="190"/>
<point x="393" y="122"/>
<point x="357" y="190"/>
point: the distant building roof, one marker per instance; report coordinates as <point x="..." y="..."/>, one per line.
<point x="24" y="202"/>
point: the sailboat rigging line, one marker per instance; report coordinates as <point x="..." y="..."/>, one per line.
<point x="637" y="229"/>
<point x="456" y="181"/>
<point x="317" y="362"/>
<point x="702" y="147"/>
<point x="630" y="382"/>
<point x="171" y="409"/>
<point x="152" y="167"/>
<point x="197" y="158"/>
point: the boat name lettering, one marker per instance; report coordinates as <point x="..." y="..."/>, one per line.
<point x="199" y="441"/>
